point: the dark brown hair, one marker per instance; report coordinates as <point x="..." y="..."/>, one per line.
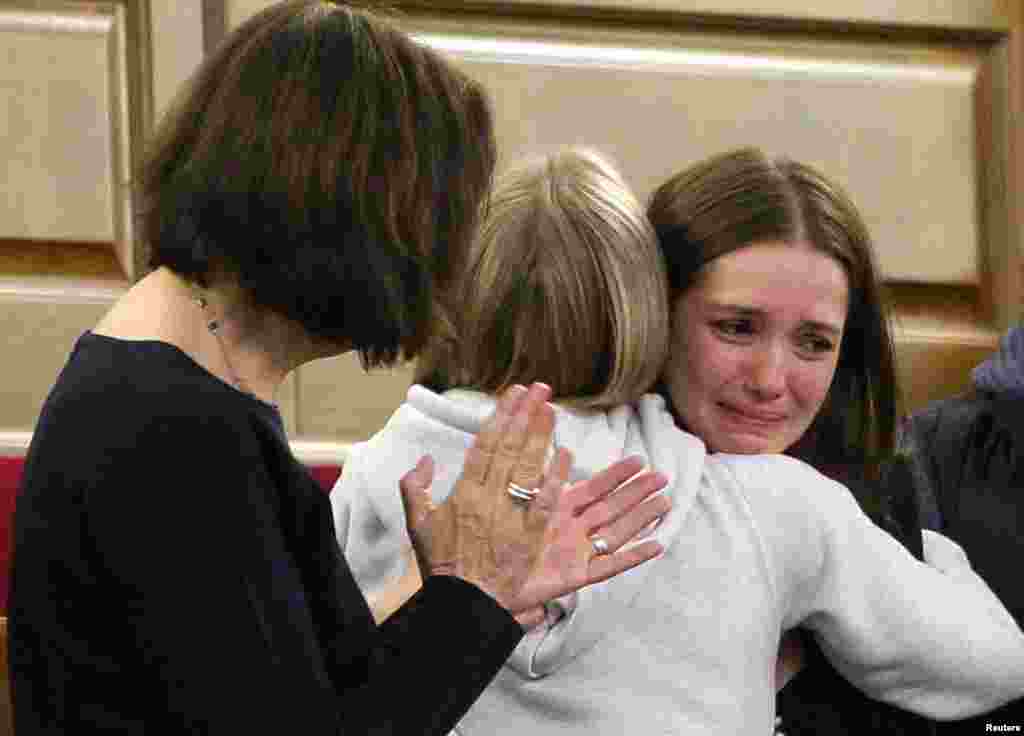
<point x="744" y="197"/>
<point x="333" y="164"/>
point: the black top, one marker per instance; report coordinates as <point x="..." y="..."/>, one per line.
<point x="971" y="449"/>
<point x="176" y="570"/>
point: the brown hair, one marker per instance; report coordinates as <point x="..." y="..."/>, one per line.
<point x="332" y="163"/>
<point x="744" y="197"/>
<point x="564" y="284"/>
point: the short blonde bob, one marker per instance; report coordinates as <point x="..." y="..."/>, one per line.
<point x="564" y="284"/>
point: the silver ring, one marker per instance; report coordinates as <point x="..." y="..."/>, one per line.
<point x="522" y="494"/>
<point x="599" y="544"/>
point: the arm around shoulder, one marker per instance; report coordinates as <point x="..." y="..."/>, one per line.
<point x="934" y="643"/>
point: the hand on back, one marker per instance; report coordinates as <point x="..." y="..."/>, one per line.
<point x="524" y="553"/>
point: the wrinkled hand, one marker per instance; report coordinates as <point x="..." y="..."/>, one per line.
<point x="525" y="553"/>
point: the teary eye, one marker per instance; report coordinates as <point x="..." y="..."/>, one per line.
<point x="816" y="344"/>
<point x="734" y="327"/>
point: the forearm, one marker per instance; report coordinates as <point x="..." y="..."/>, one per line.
<point x="437" y="652"/>
<point x="934" y="641"/>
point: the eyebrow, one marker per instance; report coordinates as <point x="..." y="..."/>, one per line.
<point x="747" y="311"/>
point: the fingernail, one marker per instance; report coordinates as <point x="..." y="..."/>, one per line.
<point x="541" y="388"/>
<point x="422" y="470"/>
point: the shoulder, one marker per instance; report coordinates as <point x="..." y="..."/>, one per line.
<point x="137" y="387"/>
<point x="780" y="477"/>
<point x="950" y="419"/>
<point x="967" y="438"/>
<point x="787" y="498"/>
<point x="126" y="424"/>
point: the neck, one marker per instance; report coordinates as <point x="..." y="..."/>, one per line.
<point x="256" y="348"/>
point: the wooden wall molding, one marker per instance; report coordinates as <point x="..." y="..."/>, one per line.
<point x="984" y="16"/>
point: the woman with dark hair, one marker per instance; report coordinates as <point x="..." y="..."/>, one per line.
<point x="175" y="568"/>
<point x="782" y="344"/>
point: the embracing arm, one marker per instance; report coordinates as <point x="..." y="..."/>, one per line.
<point x="933" y="640"/>
<point x="370" y="526"/>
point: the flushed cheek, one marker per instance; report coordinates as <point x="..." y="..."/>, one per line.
<point x="713" y="378"/>
<point x="810" y="389"/>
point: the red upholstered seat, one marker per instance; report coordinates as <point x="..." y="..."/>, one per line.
<point x="10" y="478"/>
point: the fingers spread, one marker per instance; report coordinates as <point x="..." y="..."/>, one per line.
<point x="603" y="567"/>
<point x="528" y="470"/>
<point x="631" y="524"/>
<point x="554" y="482"/>
<point x="626" y="501"/>
<point x="600" y="485"/>
<point x="480" y="455"/>
<point x="535" y="419"/>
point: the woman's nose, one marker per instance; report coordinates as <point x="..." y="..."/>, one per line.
<point x="766" y="375"/>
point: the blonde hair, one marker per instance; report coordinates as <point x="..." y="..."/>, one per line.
<point x="564" y="284"/>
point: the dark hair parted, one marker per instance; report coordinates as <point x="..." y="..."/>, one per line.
<point x="333" y="165"/>
<point x="744" y="197"/>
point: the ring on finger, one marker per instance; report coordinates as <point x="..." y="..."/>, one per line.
<point x="600" y="545"/>
<point x="520" y="493"/>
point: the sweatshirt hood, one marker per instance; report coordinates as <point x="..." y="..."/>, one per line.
<point x="445" y="426"/>
<point x="1003" y="372"/>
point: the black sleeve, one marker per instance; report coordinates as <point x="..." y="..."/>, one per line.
<point x="247" y="621"/>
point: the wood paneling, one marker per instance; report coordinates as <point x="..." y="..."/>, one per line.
<point x="177" y="46"/>
<point x="337" y="399"/>
<point x="63" y="259"/>
<point x="79" y="83"/>
<point x="941" y="333"/>
<point x="40" y="322"/>
<point x="65" y="129"/>
<point x="984" y="15"/>
<point x="894" y="124"/>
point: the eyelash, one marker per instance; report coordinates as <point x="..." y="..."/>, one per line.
<point x="738" y="329"/>
<point x="819" y="345"/>
<point x="732" y="327"/>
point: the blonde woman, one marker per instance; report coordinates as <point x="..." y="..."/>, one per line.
<point x="565" y="282"/>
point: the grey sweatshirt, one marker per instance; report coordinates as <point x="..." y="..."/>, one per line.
<point x="686" y="644"/>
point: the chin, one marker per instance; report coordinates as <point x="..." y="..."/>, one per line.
<point x="746" y="445"/>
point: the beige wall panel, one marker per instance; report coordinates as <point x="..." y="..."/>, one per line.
<point x="177" y="46"/>
<point x="65" y="130"/>
<point x="966" y="14"/>
<point x="658" y="103"/>
<point x="338" y="400"/>
<point x="40" y="324"/>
